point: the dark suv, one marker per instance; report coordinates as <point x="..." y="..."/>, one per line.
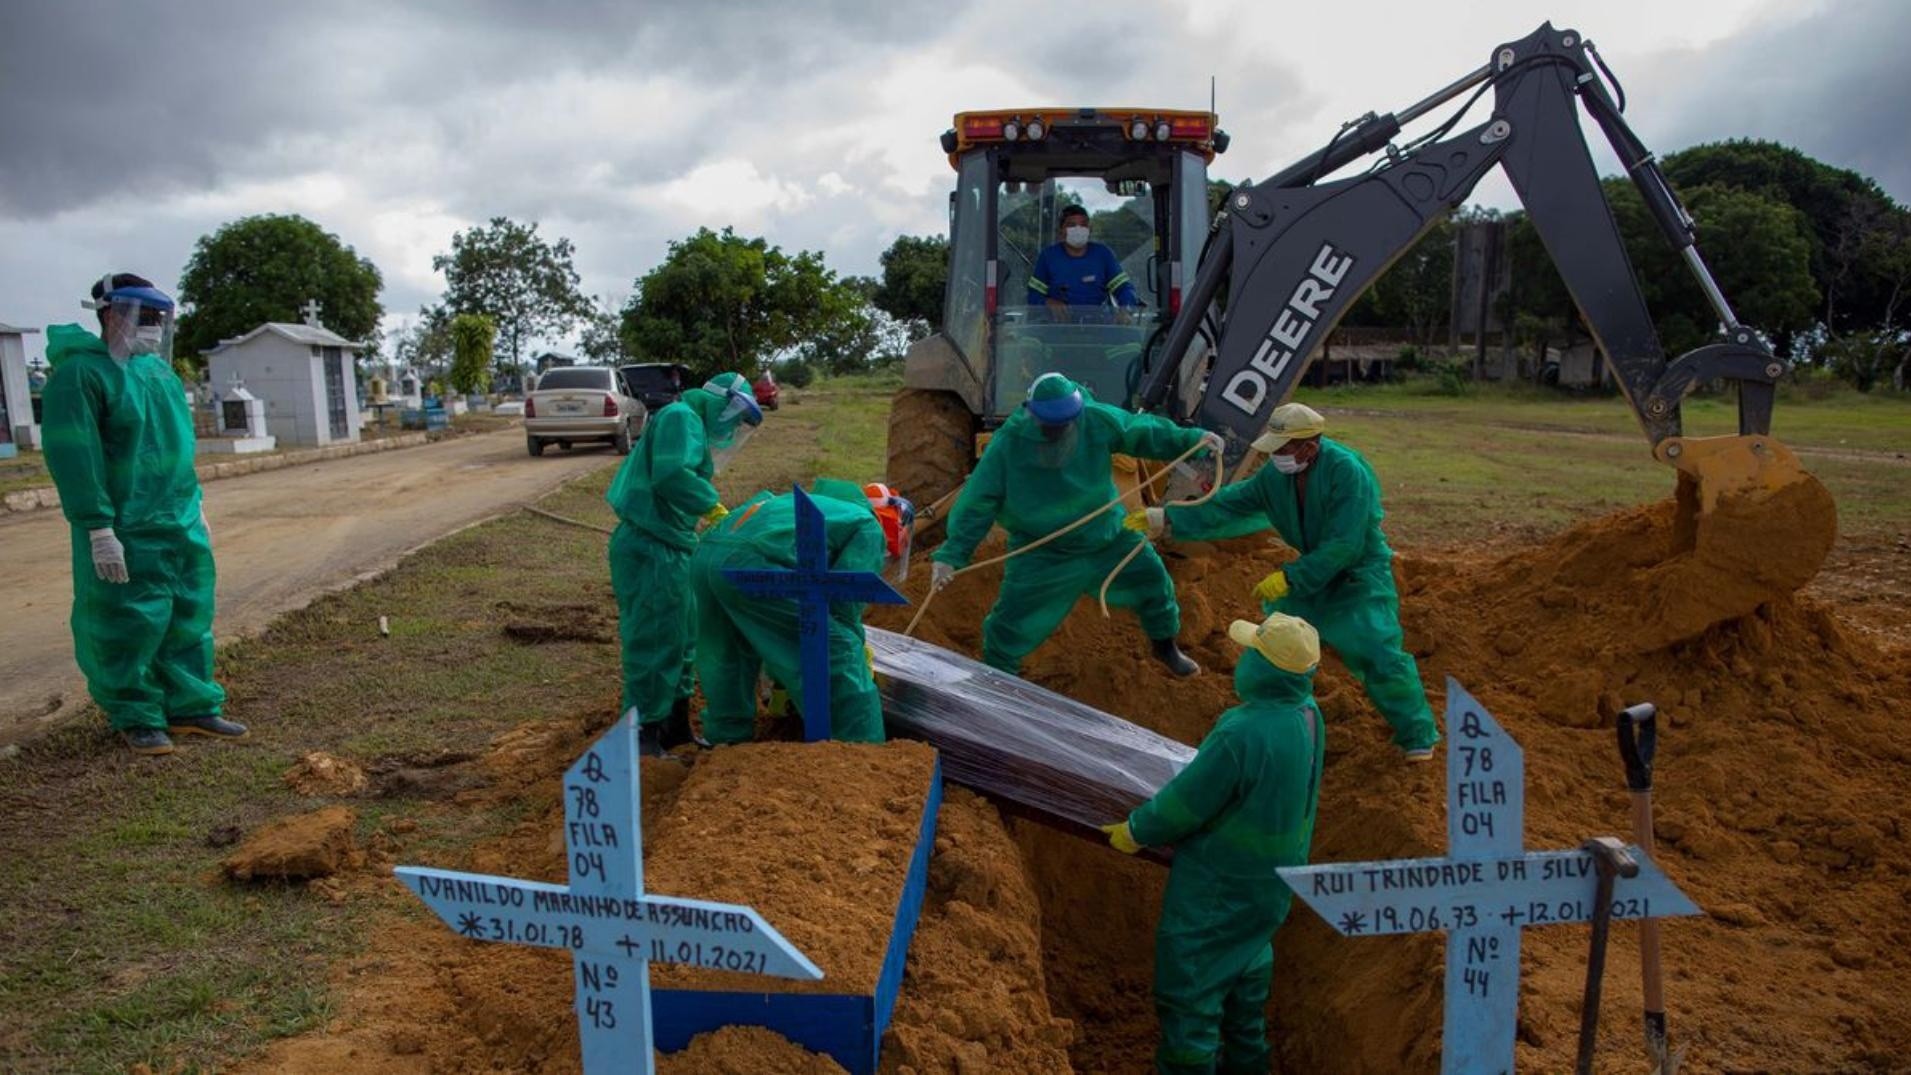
<point x="656" y="383"/>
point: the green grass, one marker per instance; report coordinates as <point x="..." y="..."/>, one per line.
<point x="1820" y="415"/>
<point x="24" y="471"/>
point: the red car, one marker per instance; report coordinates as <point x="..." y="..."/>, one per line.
<point x="766" y="391"/>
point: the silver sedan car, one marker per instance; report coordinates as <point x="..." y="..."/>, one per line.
<point x="574" y="404"/>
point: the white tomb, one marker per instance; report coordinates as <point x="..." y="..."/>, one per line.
<point x="17" y="427"/>
<point x="241" y="422"/>
<point x="304" y="375"/>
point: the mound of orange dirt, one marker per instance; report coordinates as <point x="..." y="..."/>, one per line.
<point x="298" y="848"/>
<point x="320" y="774"/>
<point x="421" y="998"/>
<point x="745" y="1050"/>
<point x="1780" y="801"/>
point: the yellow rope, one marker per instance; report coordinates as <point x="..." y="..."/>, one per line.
<point x="1219" y="464"/>
<point x="1070" y="528"/>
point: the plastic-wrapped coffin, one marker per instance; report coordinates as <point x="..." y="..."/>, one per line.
<point x="1030" y="750"/>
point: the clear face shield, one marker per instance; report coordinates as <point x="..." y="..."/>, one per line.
<point x="135" y="321"/>
<point x="740" y="415"/>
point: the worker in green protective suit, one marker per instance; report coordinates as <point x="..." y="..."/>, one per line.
<point x="1243" y="808"/>
<point x="1049" y="465"/>
<point x="739" y="635"/>
<point x="661" y="495"/>
<point x="1324" y="501"/>
<point x="119" y="444"/>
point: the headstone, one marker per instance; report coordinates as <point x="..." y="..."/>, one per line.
<point x="240" y="419"/>
<point x="815" y="587"/>
<point x="1483" y="893"/>
<point x="613" y="930"/>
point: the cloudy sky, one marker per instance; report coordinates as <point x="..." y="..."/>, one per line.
<point x="129" y="130"/>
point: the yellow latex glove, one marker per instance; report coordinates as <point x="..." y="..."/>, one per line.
<point x="1273" y="587"/>
<point x="715" y="515"/>
<point x="1120" y="838"/>
<point x="869" y="655"/>
<point x="1149" y="521"/>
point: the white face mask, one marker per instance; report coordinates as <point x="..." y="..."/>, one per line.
<point x="1076" y="236"/>
<point x="147" y="339"/>
<point x="1287" y="464"/>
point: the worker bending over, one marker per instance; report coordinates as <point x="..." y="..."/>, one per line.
<point x="1241" y="810"/>
<point x="864" y="529"/>
<point x="119" y="444"/>
<point x="661" y="494"/>
<point x="1324" y="501"/>
<point x="1049" y="465"/>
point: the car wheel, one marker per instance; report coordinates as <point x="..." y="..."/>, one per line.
<point x="533" y="445"/>
<point x="621" y="442"/>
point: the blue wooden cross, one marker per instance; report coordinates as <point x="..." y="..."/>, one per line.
<point x="815" y="587"/>
<point x="1483" y="893"/>
<point x="614" y="931"/>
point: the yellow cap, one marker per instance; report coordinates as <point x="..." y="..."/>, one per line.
<point x="1288" y="642"/>
<point x="1289" y="422"/>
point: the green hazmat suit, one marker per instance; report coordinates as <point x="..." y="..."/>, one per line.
<point x="737" y="635"/>
<point x="119" y="444"/>
<point x="1033" y="486"/>
<point x="1242" y="808"/>
<point x="1343" y="581"/>
<point x="660" y="493"/>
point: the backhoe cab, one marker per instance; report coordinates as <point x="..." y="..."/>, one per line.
<point x="1141" y="174"/>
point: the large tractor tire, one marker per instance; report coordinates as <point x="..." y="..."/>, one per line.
<point x="931" y="447"/>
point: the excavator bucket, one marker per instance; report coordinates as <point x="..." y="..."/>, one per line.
<point x="1752" y="526"/>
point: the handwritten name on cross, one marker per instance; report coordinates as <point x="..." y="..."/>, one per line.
<point x="1487" y="889"/>
<point x="613" y="930"/>
<point x="815" y="587"/>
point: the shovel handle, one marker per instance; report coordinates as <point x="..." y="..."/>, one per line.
<point x="1638" y="739"/>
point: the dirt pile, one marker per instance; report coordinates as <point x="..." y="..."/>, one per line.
<point x="1780" y="793"/>
<point x="421" y="998"/>
<point x="298" y="848"/>
<point x="320" y="774"/>
<point x="745" y="1050"/>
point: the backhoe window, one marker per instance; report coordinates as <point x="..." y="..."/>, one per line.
<point x="1098" y="344"/>
<point x="965" y="317"/>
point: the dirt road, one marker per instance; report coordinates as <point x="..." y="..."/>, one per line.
<point x="282" y="537"/>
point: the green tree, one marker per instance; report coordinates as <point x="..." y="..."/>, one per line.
<point x="266" y="268"/>
<point x="601" y="342"/>
<point x="425" y="344"/>
<point x="853" y="333"/>
<point x="472" y="337"/>
<point x="915" y="274"/>
<point x="506" y="271"/>
<point x="1837" y="204"/>
<point x="1416" y="291"/>
<point x="723" y="302"/>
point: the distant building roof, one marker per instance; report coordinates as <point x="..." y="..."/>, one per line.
<point x="316" y="335"/>
<point x="4" y="327"/>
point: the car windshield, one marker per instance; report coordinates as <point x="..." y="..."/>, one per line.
<point x="579" y="377"/>
<point x="1097" y="343"/>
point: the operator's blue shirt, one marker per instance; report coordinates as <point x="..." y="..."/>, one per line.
<point x="1079" y="281"/>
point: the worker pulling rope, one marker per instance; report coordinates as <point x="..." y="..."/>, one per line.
<point x="1213" y="488"/>
<point x="1072" y="527"/>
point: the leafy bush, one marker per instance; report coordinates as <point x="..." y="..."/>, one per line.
<point x="796" y="374"/>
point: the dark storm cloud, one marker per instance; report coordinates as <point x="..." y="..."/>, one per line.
<point x="197" y="95"/>
<point x="1835" y="85"/>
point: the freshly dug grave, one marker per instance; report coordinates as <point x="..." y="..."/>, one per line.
<point x="421" y="998"/>
<point x="1780" y="793"/>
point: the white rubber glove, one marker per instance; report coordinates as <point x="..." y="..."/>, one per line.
<point x="940" y="576"/>
<point x="1213" y="443"/>
<point x="109" y="556"/>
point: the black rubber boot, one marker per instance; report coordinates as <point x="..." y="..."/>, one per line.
<point x="1170" y="654"/>
<point x="650" y="740"/>
<point x="676" y="728"/>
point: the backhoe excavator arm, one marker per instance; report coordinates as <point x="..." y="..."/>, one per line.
<point x="1295" y="253"/>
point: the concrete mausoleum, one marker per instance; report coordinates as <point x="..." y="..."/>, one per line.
<point x="304" y="375"/>
<point x="17" y="428"/>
